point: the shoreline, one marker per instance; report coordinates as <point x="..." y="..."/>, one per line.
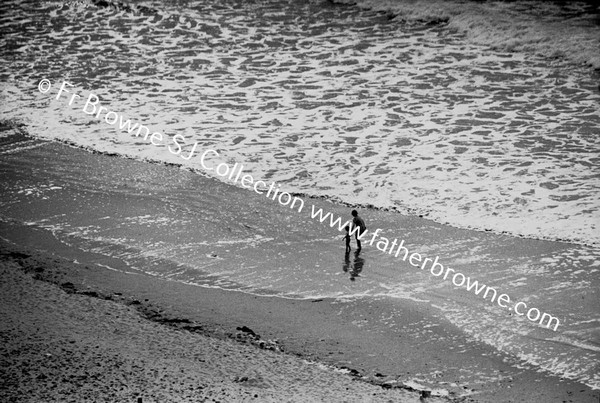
<point x="319" y="198"/>
<point x="260" y="321"/>
<point x="423" y="350"/>
<point x="70" y="343"/>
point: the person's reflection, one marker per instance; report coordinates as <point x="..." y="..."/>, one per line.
<point x="357" y="266"/>
<point x="346" y="264"/>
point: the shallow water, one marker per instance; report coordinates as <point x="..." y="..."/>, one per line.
<point x="178" y="225"/>
<point x="327" y="101"/>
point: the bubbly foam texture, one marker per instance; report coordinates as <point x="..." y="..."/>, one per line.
<point x="349" y="104"/>
<point x="550" y="28"/>
<point x="329" y="101"/>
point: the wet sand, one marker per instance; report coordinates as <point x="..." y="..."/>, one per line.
<point x="80" y="332"/>
<point x="64" y="345"/>
<point x="346" y="334"/>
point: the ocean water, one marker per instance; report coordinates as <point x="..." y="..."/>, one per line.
<point x="478" y="115"/>
<point x="326" y="100"/>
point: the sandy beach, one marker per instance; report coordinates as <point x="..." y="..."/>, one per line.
<point x="64" y="345"/>
<point x="73" y="334"/>
<point x="176" y="178"/>
<point x="79" y="325"/>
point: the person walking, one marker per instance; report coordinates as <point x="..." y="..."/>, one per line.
<point x="357" y="221"/>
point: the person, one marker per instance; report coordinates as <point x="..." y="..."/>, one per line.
<point x="360" y="223"/>
<point x="347" y="238"/>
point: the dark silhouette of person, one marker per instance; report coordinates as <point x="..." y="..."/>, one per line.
<point x="360" y="223"/>
<point x="347" y="239"/>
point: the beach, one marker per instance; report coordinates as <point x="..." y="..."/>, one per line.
<point x="63" y="345"/>
<point x="150" y="319"/>
<point x="176" y="178"/>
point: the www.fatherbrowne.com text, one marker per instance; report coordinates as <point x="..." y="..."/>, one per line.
<point x="399" y="250"/>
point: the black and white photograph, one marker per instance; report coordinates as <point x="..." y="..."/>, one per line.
<point x="299" y="201"/>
